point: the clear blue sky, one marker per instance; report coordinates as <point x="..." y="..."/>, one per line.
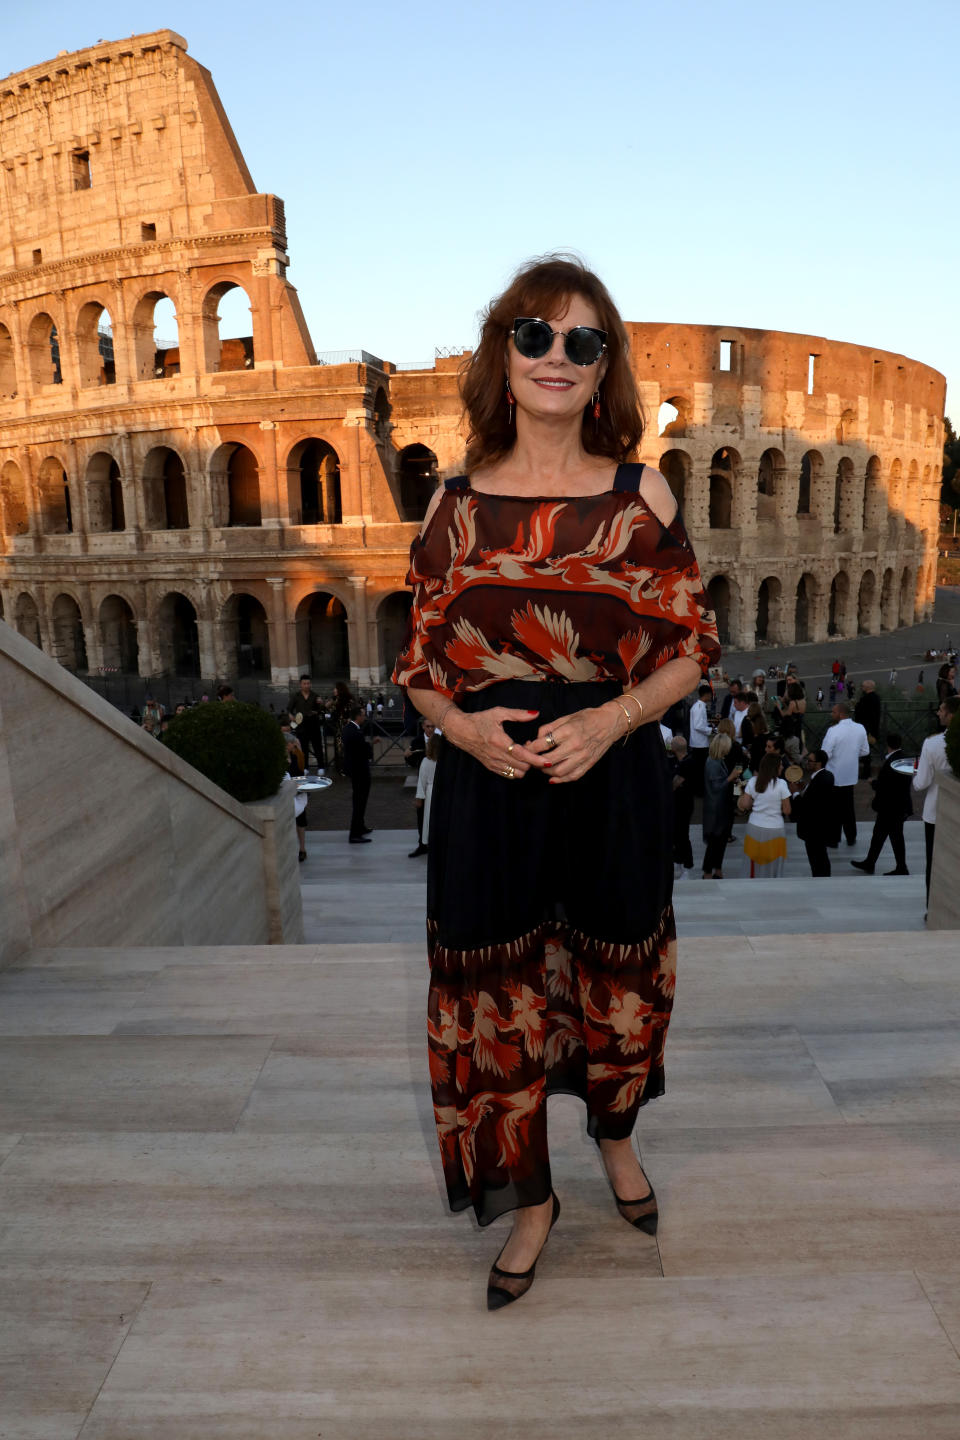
<point x="780" y="166"/>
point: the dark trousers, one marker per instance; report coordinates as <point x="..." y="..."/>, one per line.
<point x="698" y="760"/>
<point x="311" y="735"/>
<point x="928" y="833"/>
<point x="846" y="815"/>
<point x="714" y="853"/>
<point x="361" y="789"/>
<point x="818" y="857"/>
<point x="885" y="827"/>
<point x="682" y="849"/>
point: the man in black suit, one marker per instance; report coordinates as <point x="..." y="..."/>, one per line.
<point x="815" y="810"/>
<point x="357" y="754"/>
<point x="892" y="803"/>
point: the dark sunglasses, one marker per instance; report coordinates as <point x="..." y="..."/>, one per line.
<point x="582" y="345"/>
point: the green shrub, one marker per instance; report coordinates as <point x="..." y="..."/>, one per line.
<point x="238" y="747"/>
<point x="953" y="744"/>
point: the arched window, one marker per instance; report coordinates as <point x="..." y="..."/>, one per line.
<point x="156" y="334"/>
<point x="95" y="342"/>
<point x="381" y="416"/>
<point x="227" y="328"/>
<point x="178" y="639"/>
<point x="718" y="593"/>
<point x="246" y="635"/>
<point x="69" y="644"/>
<point x="165" y="491"/>
<point x="314" y="469"/>
<point x="843" y="482"/>
<point x="118" y="636"/>
<point x="105" y="510"/>
<point x="873" y="496"/>
<point x="811" y="467"/>
<point x="8" y="369"/>
<point x="243" y="488"/>
<point x="838" y="619"/>
<point x="43" y="350"/>
<point x="723" y="473"/>
<point x="418" y="480"/>
<point x="865" y="603"/>
<point x="322" y="645"/>
<point x="673" y="417"/>
<point x="676" y="468"/>
<point x="56" y="509"/>
<point x="907" y="597"/>
<point x="26" y="619"/>
<point x="392" y="620"/>
<point x="888" y="601"/>
<point x="13" y="493"/>
<point x="770" y="479"/>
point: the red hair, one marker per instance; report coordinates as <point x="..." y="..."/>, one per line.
<point x="543" y="287"/>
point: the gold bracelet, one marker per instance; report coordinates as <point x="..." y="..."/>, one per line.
<point x="626" y="714"/>
<point x="438" y="723"/>
<point x="628" y="696"/>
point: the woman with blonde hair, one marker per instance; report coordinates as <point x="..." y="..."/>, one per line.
<point x="718" y="783"/>
<point x="557" y="614"/>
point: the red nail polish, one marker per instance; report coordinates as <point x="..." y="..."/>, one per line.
<point x="547" y="764"/>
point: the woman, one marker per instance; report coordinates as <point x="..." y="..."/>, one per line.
<point x="759" y="732"/>
<point x="789" y="719"/>
<point x="341" y="705"/>
<point x="557" y="613"/>
<point x="718" y="783"/>
<point x="766" y="799"/>
<point x="946" y="682"/>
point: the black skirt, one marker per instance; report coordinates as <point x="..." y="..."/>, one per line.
<point x="552" y="947"/>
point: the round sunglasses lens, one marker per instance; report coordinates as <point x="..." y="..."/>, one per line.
<point x="584" y="346"/>
<point x="533" y="338"/>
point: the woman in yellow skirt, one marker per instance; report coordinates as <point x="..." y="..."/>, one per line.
<point x="766" y="799"/>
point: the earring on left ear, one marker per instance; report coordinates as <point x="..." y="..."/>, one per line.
<point x="596" y="409"/>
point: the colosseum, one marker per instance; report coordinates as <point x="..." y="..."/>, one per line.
<point x="180" y="501"/>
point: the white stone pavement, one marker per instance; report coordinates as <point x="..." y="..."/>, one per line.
<point x="221" y="1213"/>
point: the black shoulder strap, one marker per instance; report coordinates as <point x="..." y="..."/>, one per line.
<point x="628" y="479"/>
<point x="457" y="482"/>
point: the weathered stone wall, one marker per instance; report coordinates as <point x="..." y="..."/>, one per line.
<point x="174" y="503"/>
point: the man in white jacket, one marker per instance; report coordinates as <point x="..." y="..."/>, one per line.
<point x="699" y="735"/>
<point x="845" y="743"/>
<point x="932" y="764"/>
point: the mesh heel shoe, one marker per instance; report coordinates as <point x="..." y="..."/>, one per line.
<point x="505" y="1286"/>
<point x="641" y="1214"/>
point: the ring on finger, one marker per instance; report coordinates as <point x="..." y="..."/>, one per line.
<point x="553" y="742"/>
<point x="509" y="773"/>
<point x="509" y="749"/>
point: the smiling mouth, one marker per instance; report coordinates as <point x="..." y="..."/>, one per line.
<point x="555" y="384"/>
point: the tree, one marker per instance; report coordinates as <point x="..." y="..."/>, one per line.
<point x="950" y="487"/>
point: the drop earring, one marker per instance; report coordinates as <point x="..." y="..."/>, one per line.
<point x="511" y="404"/>
<point x="596" y="409"/>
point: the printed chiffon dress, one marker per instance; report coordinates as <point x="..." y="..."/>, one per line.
<point x="550" y="929"/>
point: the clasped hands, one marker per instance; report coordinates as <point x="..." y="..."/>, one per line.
<point x="564" y="749"/>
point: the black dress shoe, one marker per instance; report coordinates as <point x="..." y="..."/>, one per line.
<point x="505" y="1286"/>
<point x="359" y="840"/>
<point x="420" y="850"/>
<point x="366" y="830"/>
<point x="896" y="872"/>
<point x="862" y="865"/>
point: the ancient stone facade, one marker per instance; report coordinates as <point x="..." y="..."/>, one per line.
<point x="175" y="502"/>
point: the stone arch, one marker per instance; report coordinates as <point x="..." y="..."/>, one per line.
<point x="381" y="416"/>
<point x="228" y="328"/>
<point x="676" y="467"/>
<point x="323" y="647"/>
<point x="674" y="427"/>
<point x="888" y="601"/>
<point x="157" y="354"/>
<point x="26" y="618"/>
<point x="866" y="599"/>
<point x="769" y="627"/>
<point x="118" y="635"/>
<point x="908" y="595"/>
<point x="313" y="471"/>
<point x="43" y="351"/>
<point x="771" y="473"/>
<point x="165" y="501"/>
<point x="805" y="608"/>
<point x="809" y="483"/>
<point x="246" y="635"/>
<point x="873" y="496"/>
<point x="13" y="496"/>
<point x="8" y="365"/>
<point x="724" y="470"/>
<point x="55" y="501"/>
<point x="393" y="615"/>
<point x="417" y="470"/>
<point x="723" y="596"/>
<point x="838" y="617"/>
<point x="69" y="642"/>
<point x="178" y="635"/>
<point x="842" y="492"/>
<point x="235" y="486"/>
<point x="95" y="345"/>
<point x="846" y="427"/>
<point x="104" y="485"/>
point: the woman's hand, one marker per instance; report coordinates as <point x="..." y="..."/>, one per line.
<point x="482" y="735"/>
<point x="572" y="744"/>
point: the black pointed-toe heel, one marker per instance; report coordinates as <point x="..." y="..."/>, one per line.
<point x="505" y="1286"/>
<point x="641" y="1214"/>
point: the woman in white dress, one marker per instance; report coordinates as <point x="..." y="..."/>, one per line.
<point x="766" y="800"/>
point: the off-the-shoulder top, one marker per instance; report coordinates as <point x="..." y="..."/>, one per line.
<point x="586" y="588"/>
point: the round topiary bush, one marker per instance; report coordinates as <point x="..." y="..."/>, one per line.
<point x="953" y="744"/>
<point x="238" y="747"/>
